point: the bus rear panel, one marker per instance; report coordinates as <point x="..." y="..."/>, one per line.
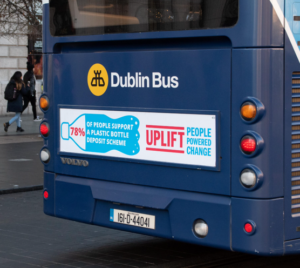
<point x="175" y="119"/>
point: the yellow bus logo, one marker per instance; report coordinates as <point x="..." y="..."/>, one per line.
<point x="97" y="79"/>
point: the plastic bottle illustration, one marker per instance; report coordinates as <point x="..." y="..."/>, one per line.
<point x="98" y="133"/>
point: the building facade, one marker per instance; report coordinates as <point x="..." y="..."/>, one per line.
<point x="13" y="57"/>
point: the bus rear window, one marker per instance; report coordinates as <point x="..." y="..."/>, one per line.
<point x="90" y="17"/>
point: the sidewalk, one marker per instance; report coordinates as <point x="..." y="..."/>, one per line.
<point x="20" y="165"/>
<point x="30" y="126"/>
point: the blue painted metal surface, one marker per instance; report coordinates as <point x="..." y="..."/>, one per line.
<point x="188" y="97"/>
<point x="49" y="181"/>
<point x="268" y="217"/>
<point x="220" y="69"/>
<point x="261" y="77"/>
<point x="75" y="200"/>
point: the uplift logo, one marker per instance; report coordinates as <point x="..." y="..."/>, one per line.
<point x="97" y="79"/>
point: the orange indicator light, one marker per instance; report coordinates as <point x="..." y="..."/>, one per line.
<point x="44" y="103"/>
<point x="248" y="111"/>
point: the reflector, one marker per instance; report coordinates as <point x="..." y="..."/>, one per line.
<point x="248" y="228"/>
<point x="200" y="228"/>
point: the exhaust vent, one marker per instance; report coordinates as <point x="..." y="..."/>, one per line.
<point x="295" y="147"/>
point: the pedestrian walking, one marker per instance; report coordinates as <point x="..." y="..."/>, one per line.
<point x="30" y="81"/>
<point x="14" y="92"/>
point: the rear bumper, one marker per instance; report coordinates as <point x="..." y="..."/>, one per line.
<point x="90" y="201"/>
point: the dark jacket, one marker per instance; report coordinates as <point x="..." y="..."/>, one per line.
<point x="29" y="79"/>
<point x="17" y="104"/>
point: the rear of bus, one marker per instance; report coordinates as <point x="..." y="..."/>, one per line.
<point x="171" y="118"/>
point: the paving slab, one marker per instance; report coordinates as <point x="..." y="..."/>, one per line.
<point x="29" y="238"/>
<point x="20" y="164"/>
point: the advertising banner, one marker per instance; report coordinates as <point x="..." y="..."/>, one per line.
<point x="175" y="138"/>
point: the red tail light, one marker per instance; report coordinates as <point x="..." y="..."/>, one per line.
<point x="46" y="194"/>
<point x="248" y="227"/>
<point x="44" y="129"/>
<point x="248" y="144"/>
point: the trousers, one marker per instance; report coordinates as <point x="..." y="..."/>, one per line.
<point x="32" y="100"/>
<point x="16" y="118"/>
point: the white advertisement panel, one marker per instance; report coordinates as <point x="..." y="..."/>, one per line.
<point x="187" y="139"/>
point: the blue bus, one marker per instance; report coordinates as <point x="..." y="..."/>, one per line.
<point x="175" y="118"/>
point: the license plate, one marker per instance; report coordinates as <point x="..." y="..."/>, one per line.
<point x="132" y="218"/>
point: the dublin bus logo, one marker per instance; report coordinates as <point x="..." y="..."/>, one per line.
<point x="97" y="80"/>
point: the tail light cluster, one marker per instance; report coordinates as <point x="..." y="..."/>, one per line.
<point x="44" y="129"/>
<point x="251" y="143"/>
<point x="45" y="132"/>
